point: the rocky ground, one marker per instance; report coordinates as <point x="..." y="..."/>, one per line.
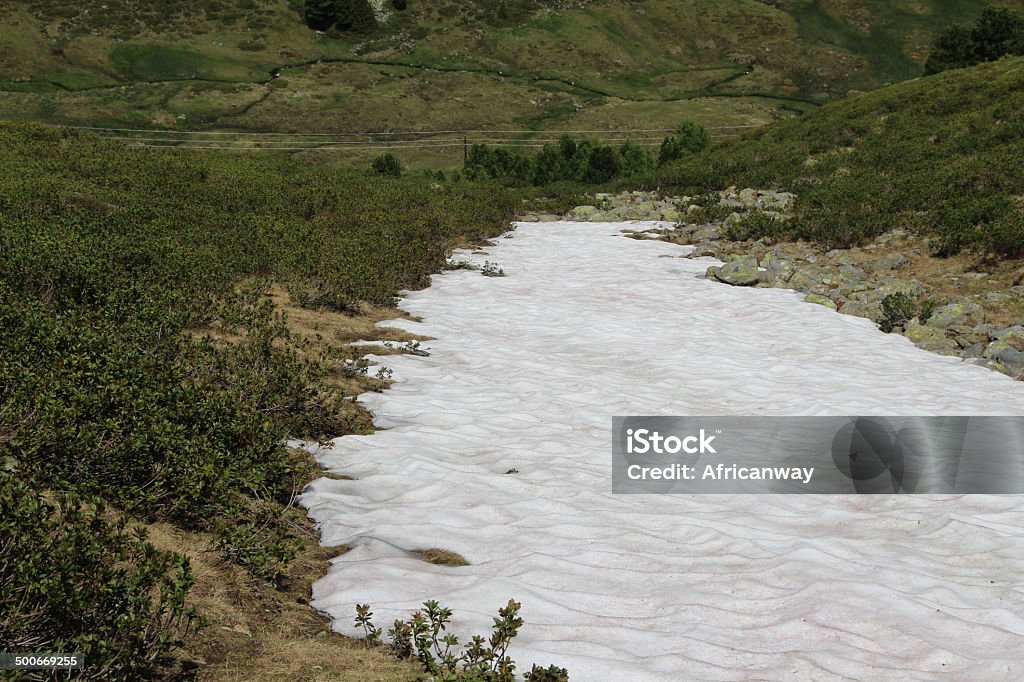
<point x="966" y="305"/>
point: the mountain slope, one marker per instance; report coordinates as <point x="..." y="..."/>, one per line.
<point x="479" y="64"/>
<point x="943" y="156"/>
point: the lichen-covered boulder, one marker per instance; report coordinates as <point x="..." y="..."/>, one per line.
<point x="741" y="272"/>
<point x="703" y="249"/>
<point x="892" y="261"/>
<point x="930" y="338"/>
<point x="870" y="311"/>
<point x="777" y="271"/>
<point x="957" y="314"/>
<point x="821" y="300"/>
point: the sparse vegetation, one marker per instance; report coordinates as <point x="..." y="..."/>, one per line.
<point x="425" y="638"/>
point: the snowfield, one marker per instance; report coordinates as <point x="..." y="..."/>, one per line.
<point x="525" y="375"/>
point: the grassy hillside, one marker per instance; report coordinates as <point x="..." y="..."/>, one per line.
<point x="512" y="64"/>
<point x="943" y="156"/>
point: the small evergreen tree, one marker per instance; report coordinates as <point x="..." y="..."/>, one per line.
<point x="634" y="159"/>
<point x="548" y="166"/>
<point x="388" y="164"/>
<point x="998" y="32"/>
<point x="690" y="138"/>
<point x="319" y="14"/>
<point x="344" y="14"/>
<point x="953" y="49"/>
<point x="602" y="165"/>
<point x="363" y="18"/>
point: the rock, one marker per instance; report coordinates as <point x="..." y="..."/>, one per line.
<point x="1012" y="361"/>
<point x="996" y="297"/>
<point x="1017" y="290"/>
<point x="890" y="286"/>
<point x="706" y="233"/>
<point x="893" y="236"/>
<point x="999" y="332"/>
<point x="670" y="214"/>
<point x="974" y="350"/>
<point x="982" y="362"/>
<point x="957" y="314"/>
<point x="1008" y="340"/>
<point x="968" y="336"/>
<point x="704" y="249"/>
<point x="548" y="218"/>
<point x="742" y="272"/>
<point x="731" y="220"/>
<point x="821" y="300"/>
<point x="529" y="218"/>
<point x="805" y="278"/>
<point x="840" y="257"/>
<point x="870" y="311"/>
<point x="893" y="261"/>
<point x="582" y="212"/>
<point x="776" y="271"/>
<point x="930" y="338"/>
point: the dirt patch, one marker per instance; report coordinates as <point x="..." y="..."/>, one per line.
<point x="254" y="631"/>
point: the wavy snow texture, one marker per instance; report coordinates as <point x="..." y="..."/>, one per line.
<point x="526" y="373"/>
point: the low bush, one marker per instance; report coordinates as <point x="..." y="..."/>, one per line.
<point x="425" y="638"/>
<point x="75" y="578"/>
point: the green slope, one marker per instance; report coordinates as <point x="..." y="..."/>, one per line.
<point x="942" y="155"/>
<point x="535" y="65"/>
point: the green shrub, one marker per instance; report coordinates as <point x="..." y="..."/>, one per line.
<point x="387" y="164"/>
<point x="580" y="161"/>
<point x="756" y="225"/>
<point x="424" y="637"/>
<point x="74" y="579"/>
<point x="690" y="138"/>
<point x="899" y="309"/>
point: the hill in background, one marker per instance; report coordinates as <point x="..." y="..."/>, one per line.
<point x="478" y="64"/>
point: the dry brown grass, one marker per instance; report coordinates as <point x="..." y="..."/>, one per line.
<point x="255" y="631"/>
<point x="441" y="557"/>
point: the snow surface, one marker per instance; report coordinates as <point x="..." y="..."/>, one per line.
<point x="526" y="373"/>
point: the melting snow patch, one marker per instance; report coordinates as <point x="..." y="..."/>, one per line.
<point x="525" y="375"/>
